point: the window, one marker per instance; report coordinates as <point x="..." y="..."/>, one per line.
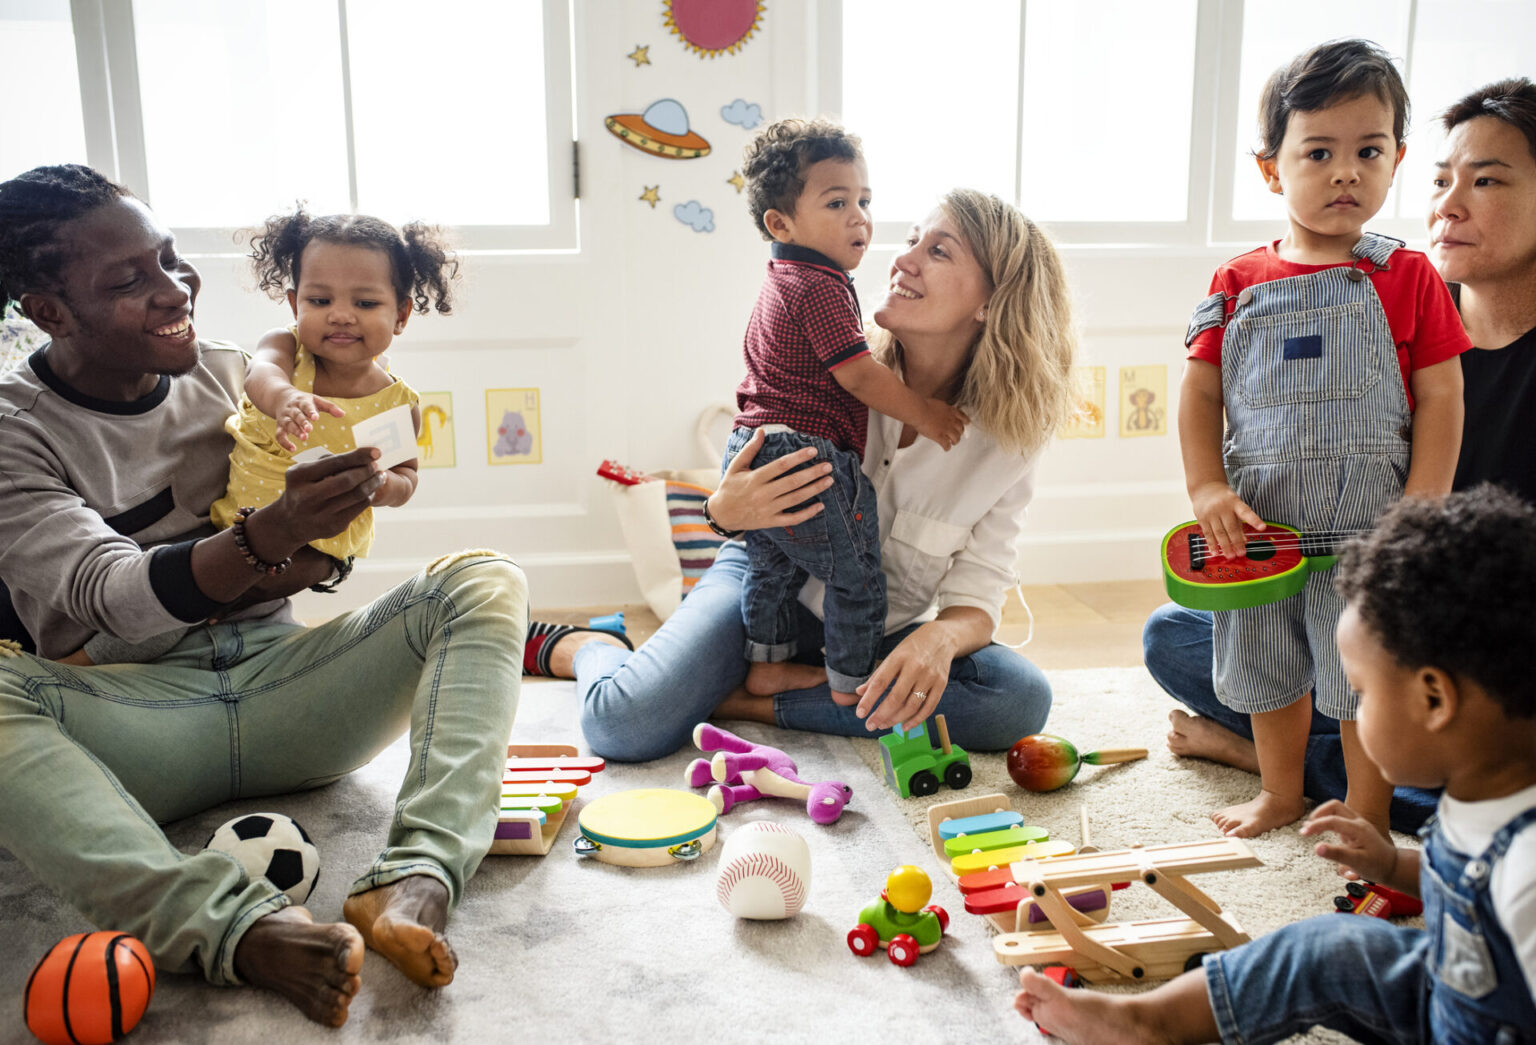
<point x="222" y="113"/>
<point x="1121" y="121"/>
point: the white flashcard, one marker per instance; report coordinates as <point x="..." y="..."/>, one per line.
<point x="314" y="453"/>
<point x="392" y="432"/>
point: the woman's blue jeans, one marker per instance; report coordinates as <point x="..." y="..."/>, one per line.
<point x="643" y="705"/>
<point x="1177" y="646"/>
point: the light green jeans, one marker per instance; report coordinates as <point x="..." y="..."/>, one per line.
<point x="92" y="759"/>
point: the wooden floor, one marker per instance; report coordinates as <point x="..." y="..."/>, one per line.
<point x="1076" y="625"/>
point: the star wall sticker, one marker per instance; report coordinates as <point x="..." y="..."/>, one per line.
<point x="736" y="179"/>
<point x="640" y="55"/>
<point x="651" y="195"/>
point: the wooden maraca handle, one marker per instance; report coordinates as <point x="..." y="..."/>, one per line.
<point x="1111" y="755"/>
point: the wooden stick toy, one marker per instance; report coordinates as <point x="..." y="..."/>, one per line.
<point x="1042" y="762"/>
<point x="536" y="793"/>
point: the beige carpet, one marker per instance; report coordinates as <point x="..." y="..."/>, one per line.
<point x="557" y="948"/>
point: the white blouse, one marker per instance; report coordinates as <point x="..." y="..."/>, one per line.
<point x="949" y="522"/>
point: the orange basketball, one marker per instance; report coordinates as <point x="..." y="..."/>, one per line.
<point x="91" y="989"/>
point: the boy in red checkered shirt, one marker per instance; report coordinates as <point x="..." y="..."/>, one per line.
<point x="811" y="381"/>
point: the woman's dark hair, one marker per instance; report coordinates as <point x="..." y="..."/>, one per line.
<point x="33" y="206"/>
<point x="1330" y="72"/>
<point x="776" y="161"/>
<point x="1451" y="584"/>
<point x="1512" y="100"/>
<point x="421" y="267"/>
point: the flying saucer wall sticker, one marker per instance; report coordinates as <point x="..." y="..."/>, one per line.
<point x="662" y="130"/>
<point x="713" y="27"/>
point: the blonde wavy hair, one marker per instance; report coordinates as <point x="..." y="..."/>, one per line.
<point x="1018" y="380"/>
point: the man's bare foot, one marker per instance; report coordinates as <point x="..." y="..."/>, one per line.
<point x="1079" y="1015"/>
<point x="769" y="680"/>
<point x="1191" y="736"/>
<point x="562" y="655"/>
<point x="404" y="922"/>
<point x="315" y="966"/>
<point x="1264" y="812"/>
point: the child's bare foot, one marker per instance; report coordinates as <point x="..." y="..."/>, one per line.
<point x="1264" y="812"/>
<point x="844" y="700"/>
<point x="769" y="680"/>
<point x="1079" y="1015"/>
<point x="315" y="966"/>
<point x="1191" y="736"/>
<point x="404" y="922"/>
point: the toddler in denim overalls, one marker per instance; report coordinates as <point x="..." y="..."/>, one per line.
<point x="1315" y="349"/>
<point x="1436" y="639"/>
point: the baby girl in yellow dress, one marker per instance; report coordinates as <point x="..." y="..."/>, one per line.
<point x="352" y="282"/>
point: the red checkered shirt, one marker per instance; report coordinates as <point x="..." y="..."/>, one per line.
<point x="806" y="324"/>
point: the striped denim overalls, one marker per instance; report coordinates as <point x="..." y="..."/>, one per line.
<point x="1317" y="437"/>
<point x="1478" y="994"/>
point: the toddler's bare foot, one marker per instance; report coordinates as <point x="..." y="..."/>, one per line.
<point x="769" y="680"/>
<point x="315" y="966"/>
<point x="1191" y="736"/>
<point x="404" y="922"/>
<point x="1079" y="1015"/>
<point x="1264" y="812"/>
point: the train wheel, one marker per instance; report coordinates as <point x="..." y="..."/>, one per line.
<point x="922" y="784"/>
<point x="957" y="775"/>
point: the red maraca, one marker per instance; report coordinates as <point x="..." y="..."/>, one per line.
<point x="1041" y="762"/>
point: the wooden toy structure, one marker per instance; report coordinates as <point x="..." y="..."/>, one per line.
<point x="537" y="789"/>
<point x="914" y="766"/>
<point x="1035" y="900"/>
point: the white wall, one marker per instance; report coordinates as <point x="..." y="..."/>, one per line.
<point x="631" y="337"/>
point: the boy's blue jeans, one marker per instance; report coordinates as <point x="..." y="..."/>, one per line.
<point x="92" y="758"/>
<point x="840" y="546"/>
<point x="1358" y="975"/>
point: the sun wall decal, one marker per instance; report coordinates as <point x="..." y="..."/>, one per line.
<point x="713" y="27"/>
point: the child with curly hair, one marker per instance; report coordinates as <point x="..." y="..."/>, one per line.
<point x="811" y="382"/>
<point x="1436" y="636"/>
<point x="352" y="282"/>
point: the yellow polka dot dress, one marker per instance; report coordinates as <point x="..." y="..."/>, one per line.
<point x="257" y="463"/>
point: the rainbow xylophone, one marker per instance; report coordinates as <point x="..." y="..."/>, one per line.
<point x="537" y="789"/>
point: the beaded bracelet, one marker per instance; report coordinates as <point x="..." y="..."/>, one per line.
<point x="721" y="530"/>
<point x="271" y="569"/>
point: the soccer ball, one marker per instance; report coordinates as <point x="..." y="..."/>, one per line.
<point x="274" y="847"/>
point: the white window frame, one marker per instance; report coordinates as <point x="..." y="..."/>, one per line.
<point x="107" y="57"/>
<point x="1213" y="140"/>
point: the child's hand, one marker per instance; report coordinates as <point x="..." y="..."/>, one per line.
<point x="1221" y="514"/>
<point x="295" y="416"/>
<point x="1361" y="850"/>
<point x="943" y="423"/>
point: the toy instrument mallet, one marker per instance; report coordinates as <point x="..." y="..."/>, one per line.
<point x="1042" y="762"/>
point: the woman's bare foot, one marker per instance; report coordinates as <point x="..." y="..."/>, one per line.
<point x="1079" y="1015"/>
<point x="744" y="707"/>
<point x="404" y="922"/>
<point x="315" y="966"/>
<point x="1264" y="812"/>
<point x="769" y="680"/>
<point x="562" y="655"/>
<point x="1191" y="736"/>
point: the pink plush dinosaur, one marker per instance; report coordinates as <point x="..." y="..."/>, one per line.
<point x="742" y="771"/>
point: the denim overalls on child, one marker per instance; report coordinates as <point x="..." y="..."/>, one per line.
<point x="840" y="546"/>
<point x="1458" y="981"/>
<point x="1317" y="438"/>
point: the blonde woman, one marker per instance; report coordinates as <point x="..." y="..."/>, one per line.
<point x="976" y="313"/>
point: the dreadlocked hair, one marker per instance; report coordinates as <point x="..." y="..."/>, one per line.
<point x="33" y="207"/>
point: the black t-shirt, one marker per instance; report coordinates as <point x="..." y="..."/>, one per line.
<point x="1498" y="441"/>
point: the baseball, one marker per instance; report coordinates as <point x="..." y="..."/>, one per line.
<point x="765" y="871"/>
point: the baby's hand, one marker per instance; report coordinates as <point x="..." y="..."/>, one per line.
<point x="296" y="415"/>
<point x="1360" y="849"/>
<point x="1221" y="514"/>
<point x="943" y="423"/>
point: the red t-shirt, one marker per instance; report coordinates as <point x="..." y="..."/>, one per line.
<point x="1420" y="313"/>
<point x="805" y="325"/>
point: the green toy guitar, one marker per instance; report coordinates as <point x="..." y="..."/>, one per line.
<point x="1276" y="567"/>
